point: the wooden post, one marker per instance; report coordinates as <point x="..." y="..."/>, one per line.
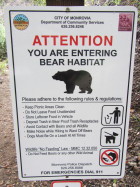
<point x="65" y="2"/>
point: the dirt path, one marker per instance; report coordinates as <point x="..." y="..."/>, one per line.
<point x="8" y="165"/>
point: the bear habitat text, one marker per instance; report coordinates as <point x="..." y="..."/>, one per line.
<point x="85" y="57"/>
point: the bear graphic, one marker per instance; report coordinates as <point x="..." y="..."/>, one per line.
<point x="73" y="78"/>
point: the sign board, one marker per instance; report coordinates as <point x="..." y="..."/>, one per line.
<point x="71" y="79"/>
<point x="66" y="184"/>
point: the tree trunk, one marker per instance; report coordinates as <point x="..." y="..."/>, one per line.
<point x="65" y="2"/>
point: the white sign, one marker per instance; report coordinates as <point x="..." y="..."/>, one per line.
<point x="71" y="79"/>
<point x="66" y="184"/>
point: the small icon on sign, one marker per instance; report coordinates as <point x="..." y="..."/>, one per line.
<point x="108" y="119"/>
<point x="111" y="136"/>
<point x="20" y="22"/>
<point x="112" y="115"/>
<point x="117" y="114"/>
<point x="109" y="157"/>
<point x="125" y="22"/>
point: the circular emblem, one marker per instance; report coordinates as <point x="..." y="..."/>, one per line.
<point x="21" y="22"/>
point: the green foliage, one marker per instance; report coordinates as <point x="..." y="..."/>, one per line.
<point x="115" y="181"/>
<point x="2" y="42"/>
<point x="3" y="66"/>
<point x="113" y="2"/>
<point x="40" y="2"/>
<point x="117" y="2"/>
<point x="135" y="118"/>
<point x="135" y="3"/>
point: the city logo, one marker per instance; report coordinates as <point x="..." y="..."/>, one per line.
<point x="20" y="22"/>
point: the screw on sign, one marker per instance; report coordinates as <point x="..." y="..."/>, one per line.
<point x="109" y="157"/>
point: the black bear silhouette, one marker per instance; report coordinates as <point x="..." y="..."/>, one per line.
<point x="72" y="78"/>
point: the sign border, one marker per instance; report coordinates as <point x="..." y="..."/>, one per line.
<point x="15" y="92"/>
